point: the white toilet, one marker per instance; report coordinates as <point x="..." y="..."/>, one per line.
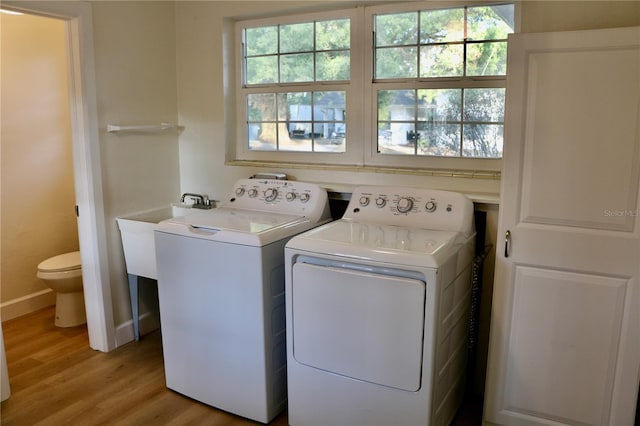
<point x="63" y="274"/>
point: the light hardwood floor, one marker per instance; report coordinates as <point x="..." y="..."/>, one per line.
<point x="56" y="379"/>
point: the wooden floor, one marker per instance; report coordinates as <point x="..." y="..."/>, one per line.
<point x="56" y="379"/>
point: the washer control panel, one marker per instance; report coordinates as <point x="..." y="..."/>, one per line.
<point x="414" y="207"/>
<point x="285" y="196"/>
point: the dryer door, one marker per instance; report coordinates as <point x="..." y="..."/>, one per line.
<point x="360" y="324"/>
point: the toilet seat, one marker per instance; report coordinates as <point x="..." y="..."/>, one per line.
<point x="64" y="262"/>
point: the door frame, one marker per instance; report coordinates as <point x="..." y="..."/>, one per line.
<point x="86" y="161"/>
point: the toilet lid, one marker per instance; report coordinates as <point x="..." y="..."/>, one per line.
<point x="63" y="262"/>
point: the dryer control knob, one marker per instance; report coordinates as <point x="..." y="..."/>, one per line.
<point x="270" y="194"/>
<point x="253" y="192"/>
<point x="240" y="192"/>
<point x="291" y="196"/>
<point x="431" y="206"/>
<point x="304" y="197"/>
<point x="405" y="205"/>
<point x="381" y="202"/>
<point x="364" y="201"/>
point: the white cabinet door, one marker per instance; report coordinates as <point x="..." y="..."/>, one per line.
<point x="565" y="330"/>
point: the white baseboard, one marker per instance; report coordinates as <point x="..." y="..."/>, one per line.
<point x="124" y="332"/>
<point x="27" y="304"/>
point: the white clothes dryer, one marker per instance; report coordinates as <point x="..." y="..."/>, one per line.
<point x="221" y="294"/>
<point x="377" y="308"/>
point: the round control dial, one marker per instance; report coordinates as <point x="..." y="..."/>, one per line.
<point x="253" y="192"/>
<point x="381" y="202"/>
<point x="405" y="205"/>
<point x="239" y="192"/>
<point x="270" y="194"/>
<point x="431" y="206"/>
<point x="364" y="201"/>
<point x="291" y="196"/>
<point x="304" y="197"/>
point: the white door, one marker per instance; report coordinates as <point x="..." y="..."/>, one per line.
<point x="565" y="330"/>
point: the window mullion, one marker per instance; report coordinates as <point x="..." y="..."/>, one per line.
<point x="462" y="121"/>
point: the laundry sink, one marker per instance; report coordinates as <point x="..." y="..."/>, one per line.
<point x="136" y="231"/>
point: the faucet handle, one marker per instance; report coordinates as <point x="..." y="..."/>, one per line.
<point x="197" y="199"/>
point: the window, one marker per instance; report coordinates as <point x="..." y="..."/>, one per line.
<point x="439" y="77"/>
<point x="298" y="85"/>
<point x="316" y="51"/>
<point x="395" y="85"/>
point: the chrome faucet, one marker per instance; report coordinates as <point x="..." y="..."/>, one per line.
<point x="196" y="197"/>
<point x="200" y="201"/>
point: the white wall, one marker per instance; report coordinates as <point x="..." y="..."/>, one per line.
<point x="38" y="214"/>
<point x="135" y="62"/>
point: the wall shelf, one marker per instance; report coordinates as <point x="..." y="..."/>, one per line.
<point x="143" y="128"/>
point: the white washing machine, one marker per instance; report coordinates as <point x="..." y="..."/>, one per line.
<point x="378" y="311"/>
<point x="221" y="294"/>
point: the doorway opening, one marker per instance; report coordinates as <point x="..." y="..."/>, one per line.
<point x="77" y="17"/>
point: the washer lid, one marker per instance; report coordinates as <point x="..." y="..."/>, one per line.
<point x="251" y="227"/>
<point x="238" y="220"/>
<point x="63" y="262"/>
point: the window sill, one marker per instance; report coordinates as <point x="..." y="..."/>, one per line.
<point x="468" y="174"/>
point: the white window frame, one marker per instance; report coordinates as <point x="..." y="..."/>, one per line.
<point x="354" y="93"/>
<point x="361" y="141"/>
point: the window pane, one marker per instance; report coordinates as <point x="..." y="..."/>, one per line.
<point x="384" y="135"/>
<point x="261" y="107"/>
<point x="396" y="122"/>
<point x="398" y="29"/>
<point x="306" y="121"/>
<point x="298" y="53"/>
<point x="487" y="58"/>
<point x="396" y="138"/>
<point x="333" y="35"/>
<point x="490" y="22"/>
<point x="329" y="136"/>
<point x="296" y="38"/>
<point x="262" y="136"/>
<point x="445" y="60"/>
<point x="483" y="140"/>
<point x="262" y="41"/>
<point x="439" y="105"/>
<point x="437" y="26"/>
<point x="329" y="118"/>
<point x="439" y="113"/>
<point x="298" y="137"/>
<point x="262" y="70"/>
<point x="438" y="138"/>
<point x="398" y="62"/>
<point x="396" y="105"/>
<point x="296" y="68"/>
<point x="484" y="105"/>
<point x="295" y="106"/>
<point x="331" y="66"/>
